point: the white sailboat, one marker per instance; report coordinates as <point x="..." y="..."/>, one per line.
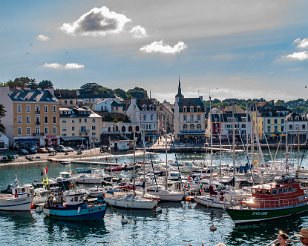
<point x="164" y="193"/>
<point x="131" y="200"/>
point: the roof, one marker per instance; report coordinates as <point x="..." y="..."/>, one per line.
<point x="191" y="102"/>
<point x="37" y="95"/>
<point x="146" y="103"/>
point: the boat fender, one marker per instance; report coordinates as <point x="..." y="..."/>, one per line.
<point x="79" y="209"/>
<point x="124" y="220"/>
<point x="158" y="210"/>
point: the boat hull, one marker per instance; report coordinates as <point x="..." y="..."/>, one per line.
<point x="168" y="197"/>
<point x="211" y="202"/>
<point x="81" y="214"/>
<point x="241" y="216"/>
<point x="133" y="204"/>
<point x="16" y="204"/>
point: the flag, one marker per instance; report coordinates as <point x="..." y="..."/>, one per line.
<point x="16" y="182"/>
<point x="46" y="170"/>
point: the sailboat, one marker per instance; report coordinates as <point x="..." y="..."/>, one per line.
<point x="132" y="199"/>
<point x="163" y="192"/>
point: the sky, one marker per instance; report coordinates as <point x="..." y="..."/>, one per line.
<point x="226" y="48"/>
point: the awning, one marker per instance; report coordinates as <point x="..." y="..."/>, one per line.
<point x="72" y="138"/>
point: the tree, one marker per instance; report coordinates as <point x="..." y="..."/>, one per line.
<point x="137" y="92"/>
<point x="120" y="93"/>
<point x="90" y="88"/>
<point x="45" y="84"/>
<point x="2" y="114"/>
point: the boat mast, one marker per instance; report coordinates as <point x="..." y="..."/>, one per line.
<point x="233" y="145"/>
<point x="134" y="151"/>
<point x="143" y="141"/>
<point x="211" y="140"/>
<point x="166" y="177"/>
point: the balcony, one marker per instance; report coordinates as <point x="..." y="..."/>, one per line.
<point x="37" y="112"/>
<point x="37" y="123"/>
<point x="84" y="131"/>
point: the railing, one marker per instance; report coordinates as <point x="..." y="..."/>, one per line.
<point x="37" y="112"/>
<point x="278" y="203"/>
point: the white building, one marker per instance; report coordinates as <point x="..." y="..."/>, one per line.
<point x="4" y="142"/>
<point x="142" y="112"/>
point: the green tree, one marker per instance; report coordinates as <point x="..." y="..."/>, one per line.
<point x="90" y="88"/>
<point x="2" y="114"/>
<point x="45" y="84"/>
<point x="120" y="93"/>
<point x="137" y="92"/>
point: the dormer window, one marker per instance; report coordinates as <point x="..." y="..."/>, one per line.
<point x="184" y="109"/>
<point x="198" y="109"/>
<point x="192" y="109"/>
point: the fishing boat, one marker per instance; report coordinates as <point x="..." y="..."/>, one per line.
<point x="281" y="198"/>
<point x="72" y="205"/>
<point x="19" y="200"/>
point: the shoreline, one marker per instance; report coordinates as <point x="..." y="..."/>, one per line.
<point x="86" y="155"/>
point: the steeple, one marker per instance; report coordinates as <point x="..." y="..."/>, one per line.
<point x="179" y="95"/>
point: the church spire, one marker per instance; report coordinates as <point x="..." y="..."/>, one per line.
<point x="179" y="89"/>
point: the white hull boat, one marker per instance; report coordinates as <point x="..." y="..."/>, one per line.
<point x="212" y="201"/>
<point x="124" y="200"/>
<point x="9" y="202"/>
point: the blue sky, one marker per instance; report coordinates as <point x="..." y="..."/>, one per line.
<point x="238" y="48"/>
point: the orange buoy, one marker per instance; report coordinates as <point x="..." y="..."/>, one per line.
<point x="32" y="206"/>
<point x="189" y="198"/>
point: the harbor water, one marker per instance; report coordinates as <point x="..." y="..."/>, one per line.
<point x="179" y="223"/>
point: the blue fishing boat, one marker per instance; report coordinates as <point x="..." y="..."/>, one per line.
<point x="73" y="205"/>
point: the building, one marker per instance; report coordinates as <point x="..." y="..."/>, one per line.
<point x="111" y="105"/>
<point x="32" y="116"/>
<point x="80" y="126"/>
<point x="296" y="128"/>
<point x="189" y="118"/>
<point x="222" y="122"/>
<point x="142" y="112"/>
<point x="165" y="117"/>
<point x="4" y="142"/>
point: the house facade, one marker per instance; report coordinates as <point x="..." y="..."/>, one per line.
<point x="80" y="126"/>
<point x="32" y="118"/>
<point x="189" y="118"/>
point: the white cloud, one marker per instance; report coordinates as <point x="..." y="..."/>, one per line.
<point x="160" y="47"/>
<point x="42" y="37"/>
<point x="301" y="43"/>
<point x="67" y="66"/>
<point x="138" y="32"/>
<point x="96" y="22"/>
<point x="299" y="56"/>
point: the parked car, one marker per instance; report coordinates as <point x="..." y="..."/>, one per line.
<point x="32" y="150"/>
<point x="61" y="148"/>
<point x="42" y="150"/>
<point x="69" y="149"/>
<point x="50" y="150"/>
<point x="23" y="152"/>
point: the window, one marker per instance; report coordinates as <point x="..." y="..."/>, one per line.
<point x="18" y="108"/>
<point x="54" y="130"/>
<point x="79" y="120"/>
<point x="184" y="117"/>
<point x="290" y="127"/>
<point x="184" y="109"/>
<point x="37" y="109"/>
<point x="19" y="131"/>
<point x="71" y="102"/>
<point x="192" y="127"/>
<point x="54" y="119"/>
<point x="93" y="120"/>
<point x="144" y="117"/>
<point x="184" y="126"/>
<point x="268" y="121"/>
<point x="73" y="121"/>
<point x="268" y="129"/>
<point x="275" y="121"/>
<point x="46" y="130"/>
<point x="46" y="108"/>
<point x="53" y="108"/>
<point x="28" y="108"/>
<point x="46" y="119"/>
<point x="198" y="117"/>
<point x="282" y="121"/>
<point x="303" y="127"/>
<point x="282" y="128"/>
<point x="28" y="119"/>
<point x="93" y="128"/>
<point x="85" y="120"/>
<point x="64" y="121"/>
<point x="198" y="126"/>
<point x="152" y="116"/>
<point x="191" y="109"/>
<point x="73" y="128"/>
<point x="37" y="130"/>
<point x="19" y="119"/>
<point x="28" y="130"/>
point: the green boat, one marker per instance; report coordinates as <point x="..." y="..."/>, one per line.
<point x="281" y="198"/>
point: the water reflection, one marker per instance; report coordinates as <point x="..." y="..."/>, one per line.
<point x="73" y="230"/>
<point x="22" y="219"/>
<point x="263" y="232"/>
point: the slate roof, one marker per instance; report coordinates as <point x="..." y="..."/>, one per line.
<point x="26" y="95"/>
<point x="226" y="116"/>
<point x="188" y="102"/>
